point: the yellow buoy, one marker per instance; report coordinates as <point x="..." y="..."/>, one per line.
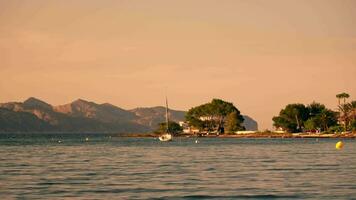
<point x="339" y="145"/>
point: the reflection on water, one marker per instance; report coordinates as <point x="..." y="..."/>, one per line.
<point x="39" y="166"/>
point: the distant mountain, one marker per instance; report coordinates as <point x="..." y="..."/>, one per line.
<point x="249" y="123"/>
<point x="36" y="107"/>
<point x="84" y="116"/>
<point x="103" y="112"/>
<point x="33" y="103"/>
<point x="12" y="121"/>
<point x="151" y="117"/>
<point x="79" y="116"/>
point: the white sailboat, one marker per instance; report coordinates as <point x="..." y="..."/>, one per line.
<point x="166" y="137"/>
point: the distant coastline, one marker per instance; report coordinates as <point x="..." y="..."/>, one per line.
<point x="82" y="116"/>
<point x="252" y="135"/>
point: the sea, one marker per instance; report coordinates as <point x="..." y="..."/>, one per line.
<point x="103" y="166"/>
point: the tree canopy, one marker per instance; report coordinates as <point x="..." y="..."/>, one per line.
<point x="174" y="127"/>
<point x="347" y="115"/>
<point x="218" y="115"/>
<point x="291" y="118"/>
<point x="342" y="96"/>
<point x="298" y="117"/>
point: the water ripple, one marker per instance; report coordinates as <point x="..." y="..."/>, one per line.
<point x="38" y="167"/>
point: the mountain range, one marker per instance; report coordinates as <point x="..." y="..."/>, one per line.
<point x="35" y="115"/>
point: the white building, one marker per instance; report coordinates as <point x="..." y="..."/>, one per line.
<point x="187" y="129"/>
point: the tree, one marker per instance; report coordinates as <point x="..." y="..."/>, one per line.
<point x="342" y="96"/>
<point x="322" y="117"/>
<point x="353" y="125"/>
<point x="352" y="105"/>
<point x="233" y="123"/>
<point x="353" y="114"/>
<point x="339" y="97"/>
<point x="292" y="117"/>
<point x="296" y="117"/>
<point x="345" y="96"/>
<point x="212" y="116"/>
<point x="343" y="110"/>
<point x="347" y="114"/>
<point x="326" y="118"/>
<point x="174" y="127"/>
<point x="310" y="124"/>
<point x="315" y="109"/>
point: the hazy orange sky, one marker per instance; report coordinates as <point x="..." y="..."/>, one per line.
<point x="260" y="55"/>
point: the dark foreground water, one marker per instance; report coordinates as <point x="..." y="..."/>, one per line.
<point x="104" y="167"/>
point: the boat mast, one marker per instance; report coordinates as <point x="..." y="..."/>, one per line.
<point x="167" y="120"/>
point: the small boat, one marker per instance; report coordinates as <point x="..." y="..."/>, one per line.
<point x="166" y="137"/>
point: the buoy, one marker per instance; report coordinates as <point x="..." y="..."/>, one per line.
<point x="59" y="141"/>
<point x="339" y="145"/>
<point x="196" y="141"/>
<point x="86" y="139"/>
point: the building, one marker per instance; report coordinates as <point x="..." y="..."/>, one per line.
<point x="187" y="129"/>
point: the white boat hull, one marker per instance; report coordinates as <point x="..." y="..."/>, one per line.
<point x="165" y="138"/>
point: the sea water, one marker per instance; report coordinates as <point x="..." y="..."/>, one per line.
<point x="99" y="166"/>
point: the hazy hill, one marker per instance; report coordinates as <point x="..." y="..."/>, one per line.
<point x="33" y="103"/>
<point x="85" y="116"/>
<point x="79" y="116"/>
<point x="103" y="112"/>
<point x="152" y="116"/>
<point x="249" y="123"/>
<point x="11" y="121"/>
<point x="37" y="107"/>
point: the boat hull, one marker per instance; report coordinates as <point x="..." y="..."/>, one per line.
<point x="165" y="138"/>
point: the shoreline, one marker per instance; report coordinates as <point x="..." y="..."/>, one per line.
<point x="252" y="135"/>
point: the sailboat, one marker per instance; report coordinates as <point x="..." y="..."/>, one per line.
<point x="166" y="137"/>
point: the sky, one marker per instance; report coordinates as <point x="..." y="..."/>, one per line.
<point x="259" y="55"/>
